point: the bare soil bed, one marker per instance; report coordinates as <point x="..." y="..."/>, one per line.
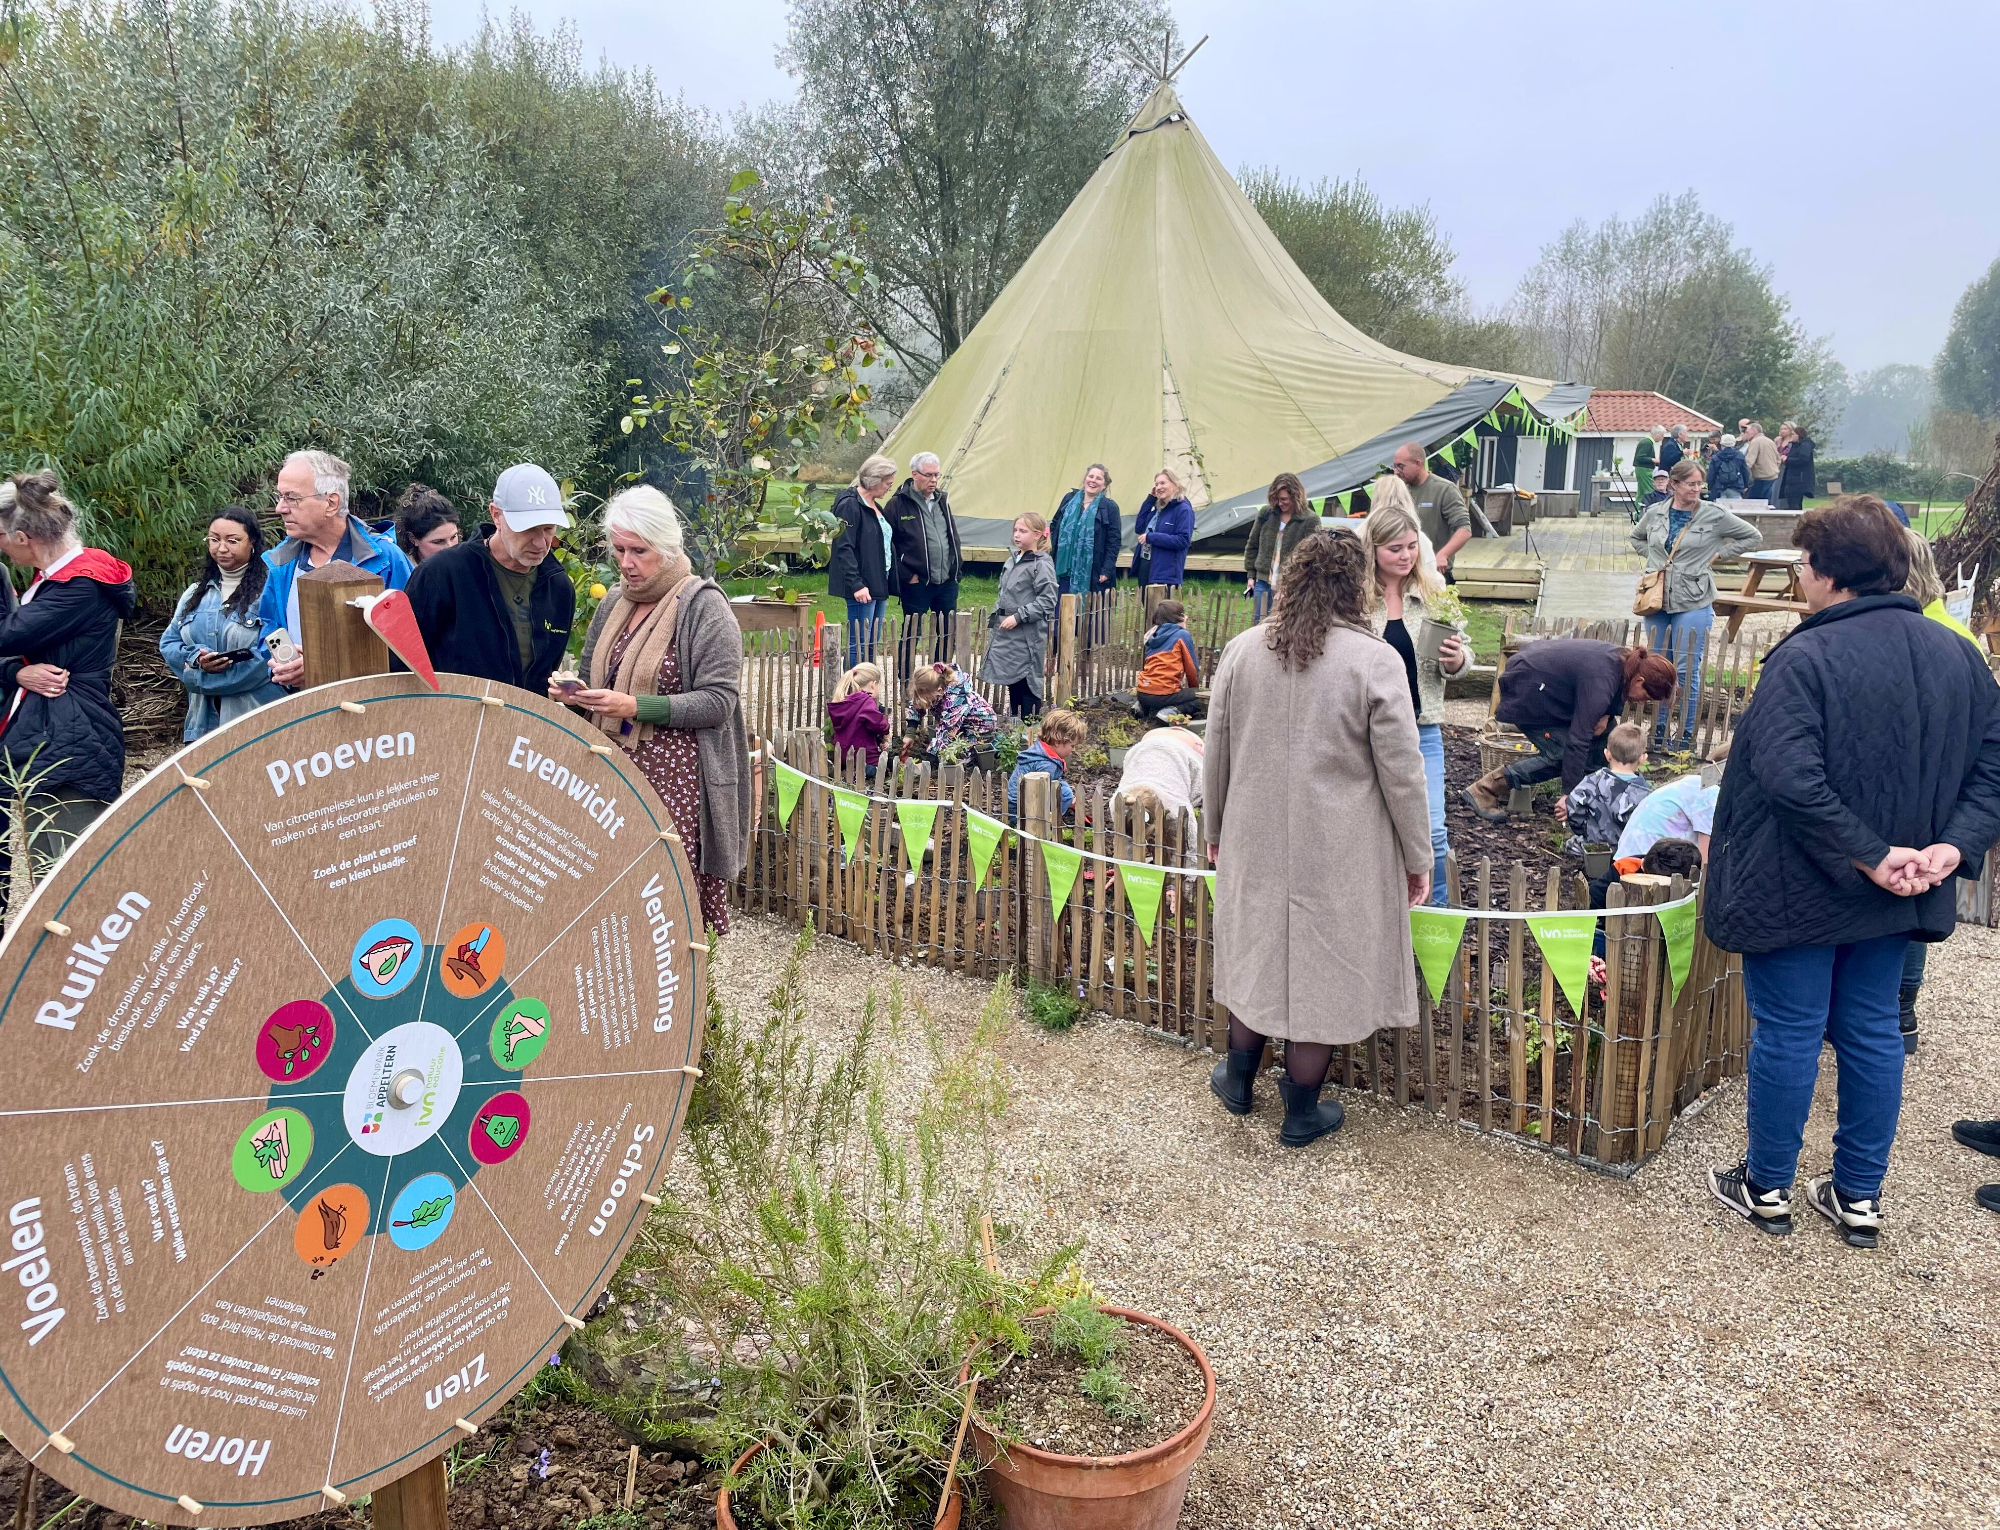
<point x="1039" y="1397"/>
<point x="537" y="1468"/>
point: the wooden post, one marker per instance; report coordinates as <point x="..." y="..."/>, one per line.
<point x="338" y="646"/>
<point x="1035" y="921"/>
<point x="414" y="1501"/>
<point x="336" y="641"/>
<point x="1069" y="634"/>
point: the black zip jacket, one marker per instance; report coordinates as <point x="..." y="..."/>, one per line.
<point x="856" y="562"/>
<point x="463" y="616"/>
<point x="74" y="742"/>
<point x="905" y="510"/>
<point x="1871" y="726"/>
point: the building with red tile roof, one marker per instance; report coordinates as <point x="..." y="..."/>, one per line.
<point x="1634" y="412"/>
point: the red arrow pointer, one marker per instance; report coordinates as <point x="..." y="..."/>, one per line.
<point x="390" y="618"/>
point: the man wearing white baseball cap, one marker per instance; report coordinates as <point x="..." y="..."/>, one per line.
<point x="499" y="606"/>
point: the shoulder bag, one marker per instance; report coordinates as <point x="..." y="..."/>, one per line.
<point x="1650" y="599"/>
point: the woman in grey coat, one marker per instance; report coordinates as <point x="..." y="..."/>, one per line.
<point x="1018" y="650"/>
<point x="1685" y="534"/>
<point x="1316" y="821"/>
<point x="663" y="663"/>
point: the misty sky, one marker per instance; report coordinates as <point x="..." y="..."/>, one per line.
<point x="1850" y="144"/>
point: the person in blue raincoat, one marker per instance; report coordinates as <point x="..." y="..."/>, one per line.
<point x="1162" y="531"/>
<point x="217" y="620"/>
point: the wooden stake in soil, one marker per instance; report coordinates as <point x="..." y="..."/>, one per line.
<point x="971" y="1388"/>
<point x="631" y="1475"/>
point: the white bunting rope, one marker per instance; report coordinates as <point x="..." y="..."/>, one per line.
<point x="1193" y="871"/>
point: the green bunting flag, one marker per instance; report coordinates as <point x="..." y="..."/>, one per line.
<point x="1062" y="863"/>
<point x="1677" y="924"/>
<point x="1435" y="932"/>
<point x="1565" y="940"/>
<point x="790" y="783"/>
<point x="984" y="834"/>
<point x="1209" y="878"/>
<point x="1471" y="436"/>
<point x="851" y="808"/>
<point x="916" y="819"/>
<point x="1143" y="885"/>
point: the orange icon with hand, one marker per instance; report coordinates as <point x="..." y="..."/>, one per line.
<point x="471" y="960"/>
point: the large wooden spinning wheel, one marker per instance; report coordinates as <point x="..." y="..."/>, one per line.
<point x="341" y="1059"/>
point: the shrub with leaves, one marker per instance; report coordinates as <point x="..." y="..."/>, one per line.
<point x="1052" y="1006"/>
<point x="831" y="1258"/>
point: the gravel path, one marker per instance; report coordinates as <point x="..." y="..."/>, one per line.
<point x="1413" y="1325"/>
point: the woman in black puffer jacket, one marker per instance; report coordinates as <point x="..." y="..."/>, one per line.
<point x="61" y="730"/>
<point x="1864" y="773"/>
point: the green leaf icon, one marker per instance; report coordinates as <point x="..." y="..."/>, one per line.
<point x="427" y="1213"/>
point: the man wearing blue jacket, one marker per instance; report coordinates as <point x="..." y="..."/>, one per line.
<point x="312" y="502"/>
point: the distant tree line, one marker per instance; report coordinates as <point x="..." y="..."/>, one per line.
<point x="229" y="228"/>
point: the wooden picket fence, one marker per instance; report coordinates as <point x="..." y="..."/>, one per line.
<point x="1502" y="1052"/>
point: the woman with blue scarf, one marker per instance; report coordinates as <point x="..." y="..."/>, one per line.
<point x="211" y="643"/>
<point x="1085" y="535"/>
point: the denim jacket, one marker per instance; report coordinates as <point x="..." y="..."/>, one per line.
<point x="216" y="699"/>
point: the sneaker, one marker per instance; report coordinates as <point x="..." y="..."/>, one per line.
<point x="1988" y="1196"/>
<point x="1906" y="1020"/>
<point x="1859" y="1222"/>
<point x="1980" y="1136"/>
<point x="1767" y="1210"/>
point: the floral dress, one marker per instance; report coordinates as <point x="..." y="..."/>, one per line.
<point x="672" y="763"/>
<point x="962" y="713"/>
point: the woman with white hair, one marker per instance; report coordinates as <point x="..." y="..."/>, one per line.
<point x="862" y="570"/>
<point x="663" y="661"/>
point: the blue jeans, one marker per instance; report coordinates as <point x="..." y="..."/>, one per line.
<point x="1260" y="603"/>
<point x="1801" y="998"/>
<point x="1430" y="741"/>
<point x="864" y="628"/>
<point x="1913" y="966"/>
<point x="1683" y="637"/>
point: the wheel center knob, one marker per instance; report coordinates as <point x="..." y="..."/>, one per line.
<point x="406" y="1088"/>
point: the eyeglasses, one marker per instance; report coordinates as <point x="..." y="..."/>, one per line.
<point x="293" y="501"/>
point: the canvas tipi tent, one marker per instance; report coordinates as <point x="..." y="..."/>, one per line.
<point x="1160" y="321"/>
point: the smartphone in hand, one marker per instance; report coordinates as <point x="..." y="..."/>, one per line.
<point x="238" y="655"/>
<point x="569" y="685"/>
<point x="283" y="649"/>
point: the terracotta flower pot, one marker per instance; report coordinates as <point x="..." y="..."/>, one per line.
<point x="724" y="1520"/>
<point x="1039" y="1490"/>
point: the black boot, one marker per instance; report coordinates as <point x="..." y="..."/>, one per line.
<point x="1906" y="1019"/>
<point x="1306" y="1120"/>
<point x="1233" y="1077"/>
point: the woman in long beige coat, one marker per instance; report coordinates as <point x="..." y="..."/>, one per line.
<point x="1319" y="831"/>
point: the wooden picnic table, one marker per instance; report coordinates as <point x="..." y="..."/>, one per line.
<point x="1750" y="598"/>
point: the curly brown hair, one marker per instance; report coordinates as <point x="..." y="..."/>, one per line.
<point x="1325" y="581"/>
<point x="1289" y="482"/>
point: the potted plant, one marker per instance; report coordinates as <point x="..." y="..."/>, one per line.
<point x="1117" y="741"/>
<point x="1444" y="617"/>
<point x="826" y="1260"/>
<point x="1098" y="1423"/>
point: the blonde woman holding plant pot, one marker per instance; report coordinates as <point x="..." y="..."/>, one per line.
<point x="1404" y="587"/>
